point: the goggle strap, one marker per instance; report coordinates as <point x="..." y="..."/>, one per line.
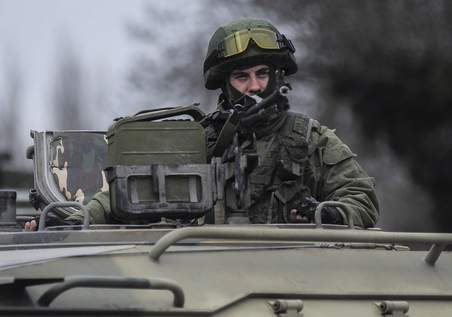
<point x="221" y="50"/>
<point x="283" y="42"/>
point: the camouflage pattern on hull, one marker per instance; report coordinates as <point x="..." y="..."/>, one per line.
<point x="77" y="164"/>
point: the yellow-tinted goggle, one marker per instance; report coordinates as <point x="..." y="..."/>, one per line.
<point x="238" y="42"/>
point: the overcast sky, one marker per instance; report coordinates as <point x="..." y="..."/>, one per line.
<point x="31" y="30"/>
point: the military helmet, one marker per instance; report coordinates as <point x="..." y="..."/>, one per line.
<point x="244" y="43"/>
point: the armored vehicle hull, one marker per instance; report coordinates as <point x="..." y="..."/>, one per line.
<point x="224" y="271"/>
<point x="172" y="268"/>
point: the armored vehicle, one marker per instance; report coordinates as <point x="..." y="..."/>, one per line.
<point x="180" y="254"/>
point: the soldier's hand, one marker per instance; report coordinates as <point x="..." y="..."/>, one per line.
<point x="296" y="217"/>
<point x="308" y="207"/>
<point x="306" y="212"/>
<point x="31" y="225"/>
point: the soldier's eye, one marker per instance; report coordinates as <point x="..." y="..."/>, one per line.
<point x="240" y="76"/>
<point x="263" y="73"/>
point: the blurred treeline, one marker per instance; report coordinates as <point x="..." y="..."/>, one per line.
<point x="378" y="71"/>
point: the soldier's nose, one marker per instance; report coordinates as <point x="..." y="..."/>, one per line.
<point x="253" y="87"/>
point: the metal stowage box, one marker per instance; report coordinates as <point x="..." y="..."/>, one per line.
<point x="159" y="168"/>
<point x="140" y="140"/>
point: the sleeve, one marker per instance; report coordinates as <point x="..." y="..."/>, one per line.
<point x="211" y="139"/>
<point x="344" y="180"/>
<point x="98" y="207"/>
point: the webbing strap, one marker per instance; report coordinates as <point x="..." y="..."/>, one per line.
<point x="302" y="125"/>
<point x="226" y="134"/>
<point x="309" y="129"/>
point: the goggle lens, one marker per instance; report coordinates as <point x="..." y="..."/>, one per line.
<point x="238" y="42"/>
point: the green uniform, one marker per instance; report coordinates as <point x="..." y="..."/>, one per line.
<point x="299" y="158"/>
<point x="98" y="207"/>
<point x="292" y="158"/>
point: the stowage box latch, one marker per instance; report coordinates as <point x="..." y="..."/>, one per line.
<point x="393" y="308"/>
<point x="287" y="307"/>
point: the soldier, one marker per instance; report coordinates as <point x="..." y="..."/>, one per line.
<point x="299" y="161"/>
<point x="293" y="162"/>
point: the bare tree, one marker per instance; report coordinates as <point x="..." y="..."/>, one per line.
<point x="68" y="91"/>
<point x="10" y="107"/>
<point x="99" y="101"/>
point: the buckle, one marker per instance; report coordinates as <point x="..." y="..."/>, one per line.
<point x="285" y="42"/>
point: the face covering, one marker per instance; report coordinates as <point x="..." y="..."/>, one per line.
<point x="235" y="99"/>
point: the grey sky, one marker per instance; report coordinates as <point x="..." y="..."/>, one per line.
<point x="30" y="32"/>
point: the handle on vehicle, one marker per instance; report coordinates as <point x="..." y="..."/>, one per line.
<point x="438" y="240"/>
<point x="52" y="205"/>
<point x="151" y="110"/>
<point x="113" y="282"/>
<point x="168" y="112"/>
<point x="344" y="208"/>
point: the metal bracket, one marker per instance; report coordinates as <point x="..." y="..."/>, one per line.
<point x="55" y="204"/>
<point x="434" y="253"/>
<point x="348" y="213"/>
<point x="287" y="307"/>
<point x="393" y="308"/>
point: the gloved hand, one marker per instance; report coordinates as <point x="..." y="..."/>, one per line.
<point x="305" y="213"/>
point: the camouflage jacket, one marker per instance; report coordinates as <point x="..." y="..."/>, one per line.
<point x="99" y="210"/>
<point x="300" y="158"/>
<point x="297" y="158"/>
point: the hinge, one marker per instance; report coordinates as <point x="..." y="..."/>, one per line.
<point x="287" y="307"/>
<point x="393" y="308"/>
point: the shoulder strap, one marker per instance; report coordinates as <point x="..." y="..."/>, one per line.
<point x="299" y="124"/>
<point x="226" y="134"/>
